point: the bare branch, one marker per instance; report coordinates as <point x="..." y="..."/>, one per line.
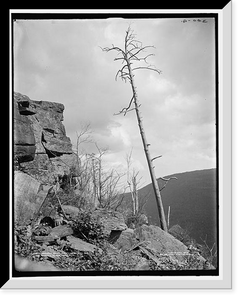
<point x="130" y="110"/>
<point x="125" y="109"/>
<point x="133" y="44"/>
<point x="156" y="157"/>
<point x="140" y="49"/>
<point x="123" y="74"/>
<point x="108" y="49"/>
<point x="120" y="58"/>
<point x="167" y="180"/>
<point x="145" y="58"/>
<point x="148" y="68"/>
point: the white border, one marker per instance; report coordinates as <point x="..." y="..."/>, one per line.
<point x="223" y="281"/>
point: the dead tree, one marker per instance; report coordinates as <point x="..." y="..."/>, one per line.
<point x="133" y="53"/>
<point x="133" y="182"/>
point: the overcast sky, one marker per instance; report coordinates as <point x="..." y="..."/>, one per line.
<point x="61" y="61"/>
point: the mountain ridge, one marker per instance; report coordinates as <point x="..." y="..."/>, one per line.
<point x="193" y="203"/>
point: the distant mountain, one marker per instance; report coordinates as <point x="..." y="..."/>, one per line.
<point x="193" y="203"/>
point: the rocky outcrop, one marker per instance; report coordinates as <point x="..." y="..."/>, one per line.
<point x="41" y="145"/>
<point x="45" y="119"/>
<point x="42" y="151"/>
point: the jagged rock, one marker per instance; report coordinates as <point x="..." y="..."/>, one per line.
<point x="48" y="128"/>
<point x="161" y="242"/>
<point x="111" y="220"/>
<point x="125" y="240"/>
<point x="41" y="144"/>
<point x="23" y="134"/>
<point x="24" y="153"/>
<point x="41" y="169"/>
<point x="45" y="119"/>
<point x="56" y="145"/>
<point x="80" y="245"/>
<point x="24" y="139"/>
<point x="28" y="196"/>
<point x="24" y="104"/>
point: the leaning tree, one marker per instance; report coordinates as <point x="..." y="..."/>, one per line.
<point x="134" y="52"/>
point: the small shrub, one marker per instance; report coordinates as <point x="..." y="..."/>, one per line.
<point x="86" y="228"/>
<point x="139" y="219"/>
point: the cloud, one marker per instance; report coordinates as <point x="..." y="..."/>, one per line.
<point x="159" y="85"/>
<point x="62" y="61"/>
<point x="118" y="133"/>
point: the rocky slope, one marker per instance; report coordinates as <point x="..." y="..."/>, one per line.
<point x="115" y="248"/>
<point x="58" y="237"/>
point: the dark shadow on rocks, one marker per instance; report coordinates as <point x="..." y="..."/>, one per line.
<point x="114" y="236"/>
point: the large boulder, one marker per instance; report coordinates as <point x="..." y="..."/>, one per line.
<point x="29" y="193"/>
<point x="110" y="220"/>
<point x="161" y="242"/>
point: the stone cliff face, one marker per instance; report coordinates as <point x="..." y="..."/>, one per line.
<point x="41" y="146"/>
<point x="42" y="152"/>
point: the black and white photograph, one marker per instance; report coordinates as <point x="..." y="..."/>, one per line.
<point x="115" y="145"/>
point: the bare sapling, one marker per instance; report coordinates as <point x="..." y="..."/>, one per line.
<point x="133" y="182"/>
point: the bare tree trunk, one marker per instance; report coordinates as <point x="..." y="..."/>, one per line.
<point x="147" y="154"/>
<point x="131" y="53"/>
